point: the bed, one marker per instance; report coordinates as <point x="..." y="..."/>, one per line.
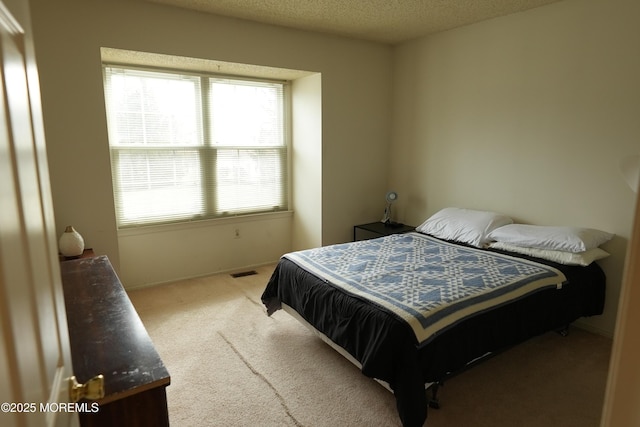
<point x="411" y="309"/>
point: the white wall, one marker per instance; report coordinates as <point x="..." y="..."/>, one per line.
<point x="307" y="158"/>
<point x="356" y="98"/>
<point x="529" y="115"/>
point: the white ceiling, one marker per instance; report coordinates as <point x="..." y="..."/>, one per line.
<point x="384" y="21"/>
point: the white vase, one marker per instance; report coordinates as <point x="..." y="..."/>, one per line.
<point x="71" y="243"/>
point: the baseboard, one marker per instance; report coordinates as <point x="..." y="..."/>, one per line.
<point x="593" y="329"/>
<point x="213" y="273"/>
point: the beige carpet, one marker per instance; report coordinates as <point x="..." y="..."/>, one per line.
<point x="231" y="365"/>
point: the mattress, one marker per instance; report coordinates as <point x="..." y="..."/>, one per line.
<point x="428" y="283"/>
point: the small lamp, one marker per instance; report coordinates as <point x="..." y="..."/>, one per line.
<point x="391" y="197"/>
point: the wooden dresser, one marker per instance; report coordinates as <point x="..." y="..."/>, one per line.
<point x="107" y="337"/>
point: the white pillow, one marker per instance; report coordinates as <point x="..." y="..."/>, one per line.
<point x="561" y="257"/>
<point x="569" y="239"/>
<point x="463" y="225"/>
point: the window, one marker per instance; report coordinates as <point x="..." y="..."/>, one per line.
<point x="187" y="147"/>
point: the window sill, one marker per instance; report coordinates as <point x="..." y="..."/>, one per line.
<point x="150" y="229"/>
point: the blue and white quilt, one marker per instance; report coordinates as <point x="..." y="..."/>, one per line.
<point x="429" y="283"/>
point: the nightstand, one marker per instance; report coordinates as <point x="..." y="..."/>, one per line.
<point x="378" y="229"/>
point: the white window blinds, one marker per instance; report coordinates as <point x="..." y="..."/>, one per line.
<point x="187" y="147"/>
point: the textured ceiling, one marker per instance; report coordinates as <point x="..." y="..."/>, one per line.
<point x="385" y="21"/>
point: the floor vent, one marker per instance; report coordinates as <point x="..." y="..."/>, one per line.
<point x="244" y="273"/>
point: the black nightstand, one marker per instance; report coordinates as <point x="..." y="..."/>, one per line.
<point x="378" y="229"/>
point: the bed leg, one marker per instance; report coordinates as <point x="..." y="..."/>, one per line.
<point x="564" y="331"/>
<point x="434" y="401"/>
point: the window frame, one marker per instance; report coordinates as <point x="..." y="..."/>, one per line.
<point x="206" y="150"/>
